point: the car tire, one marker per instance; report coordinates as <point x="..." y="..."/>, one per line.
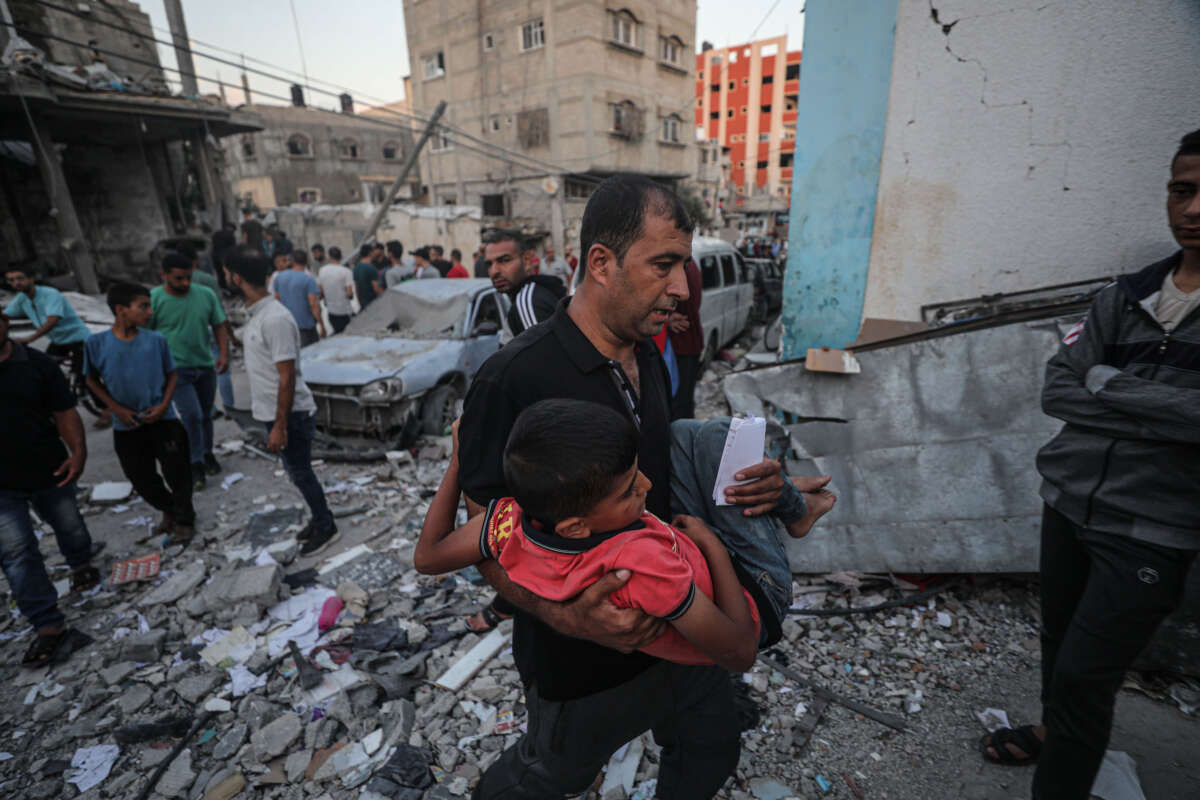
<point x="442" y="406"/>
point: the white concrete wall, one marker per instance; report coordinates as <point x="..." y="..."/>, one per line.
<point x="1029" y="145"/>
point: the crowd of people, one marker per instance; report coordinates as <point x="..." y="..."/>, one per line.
<point x="571" y="455"/>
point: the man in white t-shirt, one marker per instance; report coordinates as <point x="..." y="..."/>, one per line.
<point x="279" y="397"/>
<point x="337" y="288"/>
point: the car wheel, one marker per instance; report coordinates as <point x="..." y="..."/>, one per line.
<point x="442" y="406"/>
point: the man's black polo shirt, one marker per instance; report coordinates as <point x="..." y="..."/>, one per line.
<point x="32" y="388"/>
<point x="555" y="360"/>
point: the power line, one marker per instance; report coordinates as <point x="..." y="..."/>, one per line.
<point x="459" y="133"/>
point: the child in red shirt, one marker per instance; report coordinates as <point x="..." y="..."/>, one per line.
<point x="579" y="512"/>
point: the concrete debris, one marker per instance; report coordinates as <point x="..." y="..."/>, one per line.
<point x="412" y="704"/>
<point x="111" y="492"/>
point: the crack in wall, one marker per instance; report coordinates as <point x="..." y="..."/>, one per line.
<point x="946" y="28"/>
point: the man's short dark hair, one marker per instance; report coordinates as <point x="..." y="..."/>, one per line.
<point x="300" y="257"/>
<point x="229" y="226"/>
<point x="335" y="252"/>
<point x="562" y="457"/>
<point x="365" y="250"/>
<point x="318" y="246"/>
<point x="123" y="294"/>
<point x="395" y="249"/>
<point x="377" y="246"/>
<point x="615" y="215"/>
<point x="1189" y="145"/>
<point x="422" y="253"/>
<point x="456" y="254"/>
<point x="173" y="259"/>
<point x="436" y="248"/>
<point x="251" y="265"/>
<point x="283" y="247"/>
<point x="26" y="268"/>
<point x="508" y="235"/>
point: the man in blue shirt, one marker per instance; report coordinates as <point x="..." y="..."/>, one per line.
<point x="132" y="371"/>
<point x="46" y="308"/>
<point x="297" y="289"/>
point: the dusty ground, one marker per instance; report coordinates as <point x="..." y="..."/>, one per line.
<point x="982" y="653"/>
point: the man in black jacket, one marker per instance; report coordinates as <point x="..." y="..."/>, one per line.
<point x="1120" y="528"/>
<point x="509" y="260"/>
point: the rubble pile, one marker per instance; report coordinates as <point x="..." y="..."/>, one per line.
<point x="236" y="670"/>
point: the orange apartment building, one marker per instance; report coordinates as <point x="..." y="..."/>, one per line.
<point x="746" y="102"/>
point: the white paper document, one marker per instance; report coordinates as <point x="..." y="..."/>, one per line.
<point x="744" y="447"/>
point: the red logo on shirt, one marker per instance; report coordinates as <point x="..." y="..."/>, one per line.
<point x="1073" y="335"/>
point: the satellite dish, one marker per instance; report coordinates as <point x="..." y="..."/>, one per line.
<point x="550" y="186"/>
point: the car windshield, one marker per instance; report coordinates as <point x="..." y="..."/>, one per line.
<point x="409" y="316"/>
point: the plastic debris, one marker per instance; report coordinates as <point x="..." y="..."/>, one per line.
<point x="91" y="765"/>
<point x="136" y="569"/>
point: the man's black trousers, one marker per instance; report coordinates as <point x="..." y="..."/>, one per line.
<point x="145" y="450"/>
<point x="690" y="710"/>
<point x="1103" y="596"/>
<point x="683" y="405"/>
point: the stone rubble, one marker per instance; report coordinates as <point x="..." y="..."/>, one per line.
<point x="377" y="726"/>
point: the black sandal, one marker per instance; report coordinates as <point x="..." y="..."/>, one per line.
<point x="84" y="578"/>
<point x="1023" y="737"/>
<point x="43" y="649"/>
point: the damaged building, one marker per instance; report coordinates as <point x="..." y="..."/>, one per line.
<point x="98" y="161"/>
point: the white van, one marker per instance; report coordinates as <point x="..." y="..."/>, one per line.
<point x="728" y="293"/>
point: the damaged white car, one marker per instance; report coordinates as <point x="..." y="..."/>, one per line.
<point x="402" y="366"/>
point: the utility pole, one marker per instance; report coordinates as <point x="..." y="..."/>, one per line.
<point x="409" y="163"/>
<point x="183" y="51"/>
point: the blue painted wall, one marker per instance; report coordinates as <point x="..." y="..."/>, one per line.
<point x="842" y="110"/>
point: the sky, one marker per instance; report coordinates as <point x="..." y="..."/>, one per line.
<point x="359" y="45"/>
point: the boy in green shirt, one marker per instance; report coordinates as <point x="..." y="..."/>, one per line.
<point x="185" y="314"/>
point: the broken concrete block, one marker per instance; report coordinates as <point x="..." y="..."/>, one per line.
<point x="178" y="778"/>
<point x="134" y="698"/>
<point x="295" y="764"/>
<point x="195" y="687"/>
<point x="49" y="709"/>
<point x="226" y="788"/>
<point x="116" y="673"/>
<point x="258" y="585"/>
<point x="176" y="586"/>
<point x="232" y="741"/>
<point x="143" y="647"/>
<point x="274" y="739"/>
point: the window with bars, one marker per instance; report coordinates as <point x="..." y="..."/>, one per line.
<point x="533" y="35"/>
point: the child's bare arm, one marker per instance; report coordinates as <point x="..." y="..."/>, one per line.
<point x="443" y="548"/>
<point x="723" y="629"/>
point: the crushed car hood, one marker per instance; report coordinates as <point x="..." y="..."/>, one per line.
<point x="357" y="360"/>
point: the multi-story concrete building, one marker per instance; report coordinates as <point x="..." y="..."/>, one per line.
<point x="580" y="89"/>
<point x="746" y="100"/>
<point x="308" y="155"/>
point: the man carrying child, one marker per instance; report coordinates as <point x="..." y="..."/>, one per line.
<point x="585" y="689"/>
<point x="131" y="370"/>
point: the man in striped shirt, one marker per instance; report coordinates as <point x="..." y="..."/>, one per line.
<point x="509" y="260"/>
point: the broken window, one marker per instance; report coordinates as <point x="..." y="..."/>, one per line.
<point x="440" y="141"/>
<point x="792" y="72"/>
<point x="626" y="119"/>
<point x="764" y="164"/>
<point x="714" y="115"/>
<point x="391" y="151"/>
<point x="435" y="65"/>
<point x="786" y="159"/>
<point x="766" y="109"/>
<point x="309" y="195"/>
<point x="248" y="146"/>
<point x="533" y="35"/>
<point x="533" y="128"/>
<point x="347" y="149"/>
<point x="489" y="41"/>
<point x="493" y="205"/>
<point x="299" y="146"/>
<point x="768" y="79"/>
